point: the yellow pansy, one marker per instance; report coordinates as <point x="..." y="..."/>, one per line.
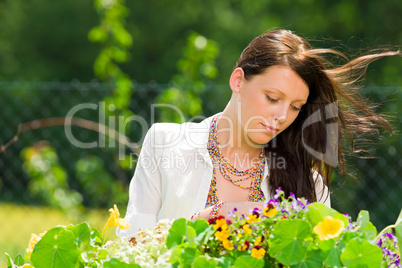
<point x="115" y="220"/>
<point x="222" y="235"/>
<point x="251" y="218"/>
<point x="257" y="252"/>
<point x="220" y="223"/>
<point x="245" y="246"/>
<point x="247" y="229"/>
<point x="227" y="244"/>
<point x="270" y="210"/>
<point x="329" y="228"/>
<point x="257" y="241"/>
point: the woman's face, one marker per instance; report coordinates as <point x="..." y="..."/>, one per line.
<point x="269" y="102"/>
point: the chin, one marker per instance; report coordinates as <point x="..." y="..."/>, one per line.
<point x="260" y="139"/>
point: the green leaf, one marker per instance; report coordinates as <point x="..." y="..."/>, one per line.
<point x="57" y="248"/>
<point x="19" y="260"/>
<point x="363" y="220"/>
<point x="97" y="34"/>
<point x="360" y="253"/>
<point x="287" y="241"/>
<point x="190" y="235"/>
<point x="10" y="263"/>
<point x="326" y="245"/>
<point x="370" y="232"/>
<point x="203" y="237"/>
<point x="183" y="255"/>
<point x="200" y="225"/>
<point x="115" y="263"/>
<point x="96" y="237"/>
<point x="246" y="261"/>
<point x="82" y="233"/>
<point x="347" y="236"/>
<point x="224" y="262"/>
<point x="176" y="233"/>
<point x="331" y="253"/>
<point x="313" y="259"/>
<point x="204" y="262"/>
<point x="181" y="232"/>
<point x="102" y="254"/>
<point x="333" y="258"/>
<point x="318" y="211"/>
<point x="189" y="255"/>
<point x="175" y="256"/>
<point x="398" y="231"/>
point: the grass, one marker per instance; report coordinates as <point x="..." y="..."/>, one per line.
<point x="18" y="222"/>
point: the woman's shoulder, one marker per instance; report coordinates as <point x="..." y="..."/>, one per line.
<point x="168" y="133"/>
<point x="177" y="128"/>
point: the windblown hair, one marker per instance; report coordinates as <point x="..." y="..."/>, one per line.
<point x="310" y="143"/>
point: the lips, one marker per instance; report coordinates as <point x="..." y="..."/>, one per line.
<point x="270" y="130"/>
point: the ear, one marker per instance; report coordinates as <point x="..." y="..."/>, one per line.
<point x="236" y="79"/>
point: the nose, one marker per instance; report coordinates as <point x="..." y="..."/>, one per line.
<point x="281" y="113"/>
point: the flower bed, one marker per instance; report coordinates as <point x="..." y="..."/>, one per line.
<point x="288" y="232"/>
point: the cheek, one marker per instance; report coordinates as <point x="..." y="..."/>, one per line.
<point x="292" y="118"/>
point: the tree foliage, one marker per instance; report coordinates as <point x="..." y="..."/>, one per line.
<point x="42" y="40"/>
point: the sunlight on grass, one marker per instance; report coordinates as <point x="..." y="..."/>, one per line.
<point x="18" y="222"/>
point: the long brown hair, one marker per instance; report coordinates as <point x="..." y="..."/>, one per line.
<point x="333" y="95"/>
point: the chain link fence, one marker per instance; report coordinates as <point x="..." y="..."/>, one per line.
<point x="378" y="187"/>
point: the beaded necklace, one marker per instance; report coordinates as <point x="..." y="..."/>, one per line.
<point x="254" y="173"/>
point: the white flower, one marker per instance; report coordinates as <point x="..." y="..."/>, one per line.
<point x="150" y="250"/>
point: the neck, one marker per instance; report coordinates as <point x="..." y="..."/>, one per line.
<point x="232" y="137"/>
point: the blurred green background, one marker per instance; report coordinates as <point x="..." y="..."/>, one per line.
<point x="125" y="56"/>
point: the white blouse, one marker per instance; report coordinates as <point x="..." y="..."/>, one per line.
<point x="173" y="176"/>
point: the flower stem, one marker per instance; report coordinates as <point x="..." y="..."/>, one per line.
<point x="384" y="230"/>
<point x="104" y="234"/>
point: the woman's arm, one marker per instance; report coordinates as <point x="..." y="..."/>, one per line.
<point x="145" y="190"/>
<point x="242" y="208"/>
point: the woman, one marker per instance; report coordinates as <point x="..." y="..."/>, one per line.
<point x="283" y="127"/>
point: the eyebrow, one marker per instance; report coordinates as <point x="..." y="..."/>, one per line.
<point x="283" y="94"/>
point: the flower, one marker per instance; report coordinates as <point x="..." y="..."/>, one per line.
<point x="252" y="218"/>
<point x="245" y="246"/>
<point x="222" y="235"/>
<point x="246" y="229"/>
<point x="232" y="212"/>
<point x="278" y="193"/>
<point x="257" y="252"/>
<point x="220" y="223"/>
<point x="227" y="244"/>
<point x="32" y="242"/>
<point x="149" y="252"/>
<point x="270" y="210"/>
<point x="115" y="220"/>
<point x="389" y="246"/>
<point x="329" y="228"/>
<point x="26" y="265"/>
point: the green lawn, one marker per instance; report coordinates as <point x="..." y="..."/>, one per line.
<point x="18" y="222"/>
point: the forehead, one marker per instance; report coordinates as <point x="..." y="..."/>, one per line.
<point x="283" y="79"/>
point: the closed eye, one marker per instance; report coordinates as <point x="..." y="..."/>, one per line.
<point x="271" y="99"/>
<point x="298" y="109"/>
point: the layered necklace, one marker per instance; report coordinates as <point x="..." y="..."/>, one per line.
<point x="254" y="173"/>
